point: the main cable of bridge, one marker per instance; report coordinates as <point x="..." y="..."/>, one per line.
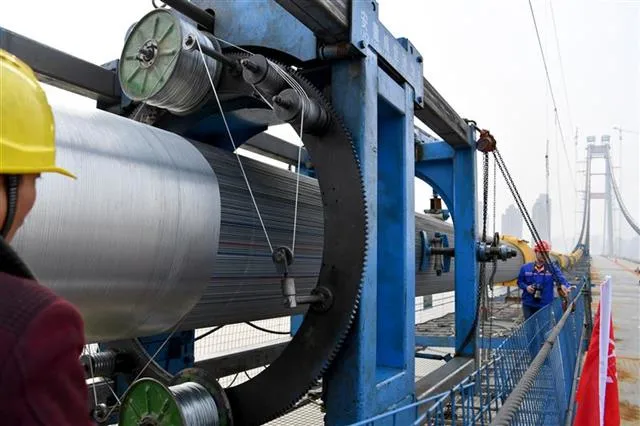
<point x="562" y="75"/>
<point x="553" y="98"/>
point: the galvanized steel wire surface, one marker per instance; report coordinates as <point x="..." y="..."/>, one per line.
<point x="132" y="243"/>
<point x="133" y="240"/>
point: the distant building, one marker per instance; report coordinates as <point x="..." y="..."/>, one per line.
<point x="540" y="216"/>
<point x="512" y="222"/>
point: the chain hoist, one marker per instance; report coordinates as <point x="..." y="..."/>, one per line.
<point x="529" y="222"/>
<point x="486" y="143"/>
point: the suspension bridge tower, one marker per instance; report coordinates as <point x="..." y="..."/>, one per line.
<point x="601" y="151"/>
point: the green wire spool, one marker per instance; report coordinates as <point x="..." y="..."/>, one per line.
<point x="150" y="403"/>
<point x="192" y="399"/>
<point x="162" y="66"/>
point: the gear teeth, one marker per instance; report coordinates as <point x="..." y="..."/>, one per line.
<point x="149" y="115"/>
<point x="308" y="86"/>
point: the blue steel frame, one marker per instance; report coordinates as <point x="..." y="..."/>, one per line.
<point x="367" y="32"/>
<point x="452" y="173"/>
<point x="374" y="373"/>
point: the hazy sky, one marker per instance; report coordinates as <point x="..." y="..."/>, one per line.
<point x="483" y="57"/>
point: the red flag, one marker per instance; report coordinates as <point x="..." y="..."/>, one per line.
<point x="597" y="396"/>
<point x="612" y="402"/>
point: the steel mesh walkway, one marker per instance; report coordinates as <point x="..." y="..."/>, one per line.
<point x="482" y="395"/>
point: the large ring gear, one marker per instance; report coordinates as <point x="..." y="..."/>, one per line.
<point x="334" y="302"/>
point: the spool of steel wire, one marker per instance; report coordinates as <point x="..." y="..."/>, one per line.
<point x="150" y="403"/>
<point x="161" y="65"/>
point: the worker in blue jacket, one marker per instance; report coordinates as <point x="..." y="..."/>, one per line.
<point x="537" y="282"/>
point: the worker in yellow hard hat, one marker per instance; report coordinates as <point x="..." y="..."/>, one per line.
<point x="41" y="335"/>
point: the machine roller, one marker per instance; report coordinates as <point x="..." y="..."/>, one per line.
<point x="165" y="228"/>
<point x="159" y="229"/>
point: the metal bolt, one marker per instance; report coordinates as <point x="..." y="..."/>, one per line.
<point x="419" y="99"/>
<point x="100" y="412"/>
<point x="362" y="44"/>
<point x="251" y="66"/>
<point x="284" y="103"/>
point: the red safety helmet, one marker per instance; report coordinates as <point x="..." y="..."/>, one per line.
<point x="542" y="246"/>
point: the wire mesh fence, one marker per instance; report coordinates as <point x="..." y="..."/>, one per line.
<point x="478" y="398"/>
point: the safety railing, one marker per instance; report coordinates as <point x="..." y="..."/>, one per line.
<point x="481" y="397"/>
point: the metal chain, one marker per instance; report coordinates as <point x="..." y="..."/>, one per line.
<point x="485" y="194"/>
<point x="494" y="197"/>
<point x="482" y="285"/>
<point x="482" y="281"/>
<point x="525" y="213"/>
<point x="495" y="263"/>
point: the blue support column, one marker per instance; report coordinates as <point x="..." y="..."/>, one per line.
<point x="350" y="384"/>
<point x="396" y="252"/>
<point x="375" y="369"/>
<point x="452" y="173"/>
<point x="464" y="220"/>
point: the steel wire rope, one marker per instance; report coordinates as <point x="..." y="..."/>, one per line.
<point x="175" y="328"/>
<point x="233" y="143"/>
<point x="585" y="204"/>
<point x="208" y="333"/>
<point x="623" y="207"/>
<point x="553" y="98"/>
<point x="564" y="234"/>
<point x="303" y="94"/>
<point x="525" y="214"/>
<point x="95" y="392"/>
<point x="564" y="80"/>
<point x="87" y="348"/>
<point x="151" y="359"/>
<point x="266" y="330"/>
<point x="232" y="381"/>
<point x="517" y="396"/>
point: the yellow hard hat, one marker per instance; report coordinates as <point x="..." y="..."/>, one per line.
<point x="27" y="133"/>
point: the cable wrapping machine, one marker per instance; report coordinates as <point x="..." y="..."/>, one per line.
<point x="173" y="235"/>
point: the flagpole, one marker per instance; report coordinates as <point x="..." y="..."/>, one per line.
<point x="576" y="377"/>
<point x="603" y="353"/>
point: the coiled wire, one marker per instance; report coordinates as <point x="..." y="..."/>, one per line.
<point x="196" y="404"/>
<point x="100" y="364"/>
<point x="187" y="87"/>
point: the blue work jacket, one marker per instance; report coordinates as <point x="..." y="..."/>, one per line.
<point x="543" y="280"/>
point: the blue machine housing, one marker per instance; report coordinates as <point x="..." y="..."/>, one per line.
<point x="375" y="371"/>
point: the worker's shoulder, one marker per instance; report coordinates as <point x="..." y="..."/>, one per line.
<point x="527" y="266"/>
<point x="22" y="301"/>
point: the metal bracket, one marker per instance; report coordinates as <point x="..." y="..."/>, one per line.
<point x="437" y="246"/>
<point x="436" y="207"/>
<point x="487" y="252"/>
<point x="320" y="299"/>
<point x="399" y="54"/>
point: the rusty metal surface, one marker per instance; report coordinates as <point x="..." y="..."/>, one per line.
<point x="626" y="320"/>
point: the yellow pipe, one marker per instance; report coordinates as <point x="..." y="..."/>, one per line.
<point x="566" y="261"/>
<point x="563" y="260"/>
<point x="527" y="254"/>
